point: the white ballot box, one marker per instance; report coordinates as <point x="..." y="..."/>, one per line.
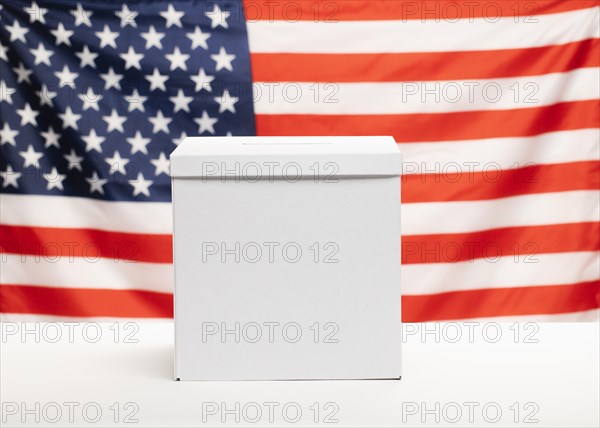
<point x="287" y="258"/>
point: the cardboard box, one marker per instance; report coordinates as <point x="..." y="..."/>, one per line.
<point x="287" y="258"/>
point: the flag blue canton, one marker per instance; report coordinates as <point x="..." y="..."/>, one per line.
<point x="94" y="96"/>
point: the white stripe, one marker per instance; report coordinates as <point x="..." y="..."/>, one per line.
<point x="507" y="271"/>
<point x="534" y="270"/>
<point x="493" y="154"/>
<point x="421" y="36"/>
<point x="426" y="97"/>
<point x="582" y="316"/>
<point x="417" y="218"/>
<point x="78" y="272"/>
<point x="83" y="213"/>
<point x="523" y="210"/>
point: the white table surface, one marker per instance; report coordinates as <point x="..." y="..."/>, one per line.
<point x="553" y="381"/>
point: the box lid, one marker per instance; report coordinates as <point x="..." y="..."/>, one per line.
<point x="300" y="157"/>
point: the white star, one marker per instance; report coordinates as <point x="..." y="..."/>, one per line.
<point x="177" y="59"/>
<point x="3" y="50"/>
<point x="45" y="95"/>
<point x="127" y="16"/>
<point x="117" y="164"/>
<point x="74" y="160"/>
<point x="70" y="119"/>
<point x="90" y="99"/>
<point x="160" y="123"/>
<point x="172" y="16"/>
<point x="62" y="35"/>
<point x="136" y="101"/>
<point x="6" y="92"/>
<point x="96" y="183"/>
<point x="198" y="38"/>
<point x="226" y="102"/>
<point x="161" y="164"/>
<point x="31" y="157"/>
<point x="202" y="81"/>
<point x="17" y="32"/>
<point x="28" y="115"/>
<point x="218" y="17"/>
<point x="107" y="37"/>
<point x="153" y="38"/>
<point x="10" y="177"/>
<point x="111" y="79"/>
<point x="132" y="59"/>
<point x="138" y="143"/>
<point x="157" y="80"/>
<point x="181" y="102"/>
<point x="178" y="141"/>
<point x="223" y="60"/>
<point x="7" y="135"/>
<point x="114" y="121"/>
<point x="206" y="123"/>
<point x="82" y="16"/>
<point x="93" y="141"/>
<point x="66" y="77"/>
<point x="41" y="54"/>
<point x="54" y="179"/>
<point x="36" y="13"/>
<point x="22" y="73"/>
<point x="140" y="185"/>
<point x="86" y="57"/>
<point x="51" y="138"/>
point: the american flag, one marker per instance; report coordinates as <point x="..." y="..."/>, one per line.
<point x="495" y="105"/>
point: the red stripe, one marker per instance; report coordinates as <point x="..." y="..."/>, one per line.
<point x="76" y="302"/>
<point x="406" y="67"/>
<point x="439" y="126"/>
<point x="53" y="243"/>
<point x="551" y="299"/>
<point x="450" y="10"/>
<point x="519" y="242"/>
<point x="458" y="185"/>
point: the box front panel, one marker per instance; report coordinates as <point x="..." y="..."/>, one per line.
<point x="287" y="280"/>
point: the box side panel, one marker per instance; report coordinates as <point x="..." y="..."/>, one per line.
<point x="174" y="198"/>
<point x="288" y="280"/>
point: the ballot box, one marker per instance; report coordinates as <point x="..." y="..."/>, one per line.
<point x="287" y="258"/>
